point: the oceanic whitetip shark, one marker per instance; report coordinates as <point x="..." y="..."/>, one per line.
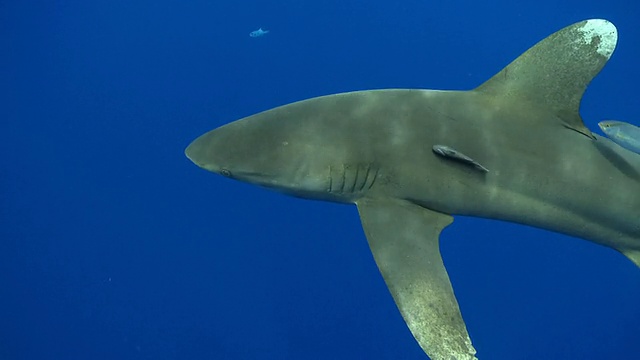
<point x="515" y="148"/>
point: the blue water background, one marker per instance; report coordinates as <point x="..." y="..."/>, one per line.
<point x="114" y="246"/>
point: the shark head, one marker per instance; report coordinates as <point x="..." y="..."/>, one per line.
<point x="278" y="149"/>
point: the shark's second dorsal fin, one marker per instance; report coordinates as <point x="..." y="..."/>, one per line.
<point x="556" y="71"/>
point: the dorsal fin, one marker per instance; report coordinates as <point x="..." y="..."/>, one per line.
<point x="556" y="71"/>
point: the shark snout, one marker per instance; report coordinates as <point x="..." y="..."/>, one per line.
<point x="199" y="152"/>
<point x="191" y="152"/>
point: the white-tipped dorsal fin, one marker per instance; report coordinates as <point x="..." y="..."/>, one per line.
<point x="556" y="71"/>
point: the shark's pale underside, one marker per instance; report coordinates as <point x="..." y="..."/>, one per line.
<point x="513" y="149"/>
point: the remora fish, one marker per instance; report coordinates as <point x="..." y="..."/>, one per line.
<point x="622" y="133"/>
<point x="515" y="148"/>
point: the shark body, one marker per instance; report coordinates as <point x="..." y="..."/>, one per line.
<point x="513" y="149"/>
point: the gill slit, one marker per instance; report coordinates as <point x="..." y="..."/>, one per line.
<point x="360" y="182"/>
<point x="366" y="177"/>
<point x="344" y="178"/>
<point x="375" y="177"/>
<point x="355" y="179"/>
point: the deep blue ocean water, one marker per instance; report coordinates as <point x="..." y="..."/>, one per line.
<point x="114" y="246"/>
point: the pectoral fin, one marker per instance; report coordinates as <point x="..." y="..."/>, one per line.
<point x="403" y="238"/>
<point x="633" y="255"/>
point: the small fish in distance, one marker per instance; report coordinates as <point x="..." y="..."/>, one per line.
<point x="258" y="33"/>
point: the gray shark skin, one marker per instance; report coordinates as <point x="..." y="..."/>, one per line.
<point x="513" y="149"/>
